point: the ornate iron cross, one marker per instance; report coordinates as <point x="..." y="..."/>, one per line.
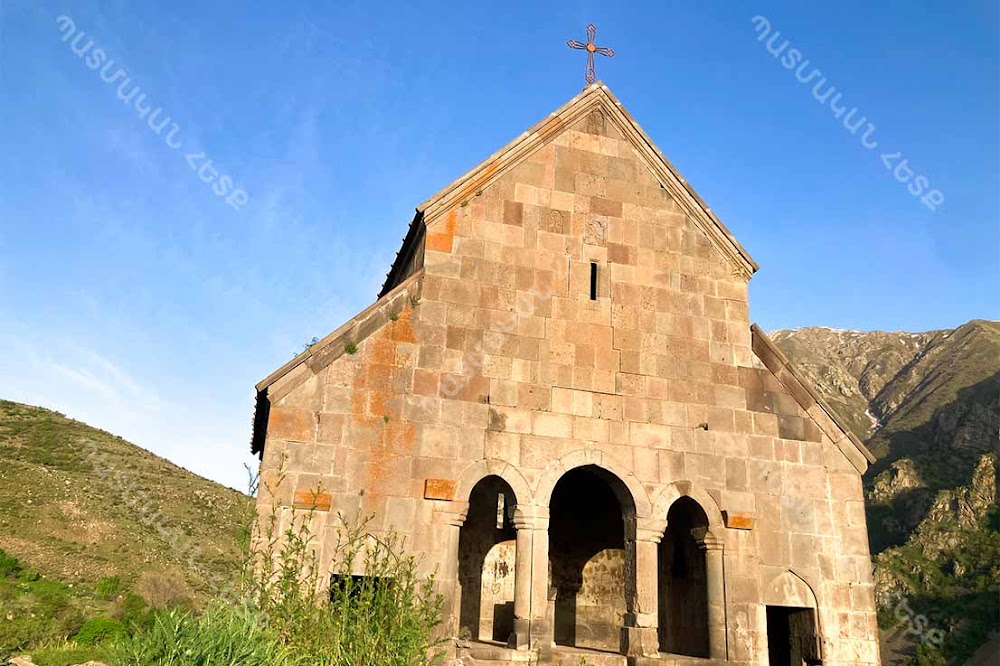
<point x="591" y="49"/>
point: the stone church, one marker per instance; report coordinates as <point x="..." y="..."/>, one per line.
<point x="559" y="400"/>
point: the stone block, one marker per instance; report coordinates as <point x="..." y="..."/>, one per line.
<point x="509" y="419"/>
<point x="552" y="425"/>
<point x="737" y="521"/>
<point x="590" y="429"/>
<point x="399" y="513"/>
<point x="290" y="424"/>
<point x="312" y="499"/>
<point x="503" y="446"/>
<point x="649" y="435"/>
<point x="764" y="477"/>
<point x="439" y="489"/>
<point x="736" y="474"/>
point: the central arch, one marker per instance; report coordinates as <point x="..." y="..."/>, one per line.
<point x="591" y="556"/>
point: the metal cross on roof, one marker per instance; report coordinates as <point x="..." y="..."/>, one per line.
<point x="591" y="49"/>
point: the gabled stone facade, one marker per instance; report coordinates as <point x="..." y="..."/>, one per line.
<point x="560" y="401"/>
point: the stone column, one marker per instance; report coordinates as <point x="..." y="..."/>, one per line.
<point x="712" y="545"/>
<point x="520" y="639"/>
<point x="640" y="636"/>
<point x="531" y="580"/>
<point x="453" y="517"/>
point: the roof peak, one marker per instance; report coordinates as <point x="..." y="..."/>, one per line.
<point x="525" y="144"/>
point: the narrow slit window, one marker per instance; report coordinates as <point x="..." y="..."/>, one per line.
<point x="593" y="281"/>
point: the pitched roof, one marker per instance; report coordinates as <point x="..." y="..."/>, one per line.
<point x="595" y="95"/>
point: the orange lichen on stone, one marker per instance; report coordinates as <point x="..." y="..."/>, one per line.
<point x="475" y="186"/>
<point x="401" y="330"/>
<point x="439" y="489"/>
<point x="441" y="241"/>
<point x="738" y="521"/>
<point x="311" y="499"/>
<point x="291" y="424"/>
<point x="376" y="403"/>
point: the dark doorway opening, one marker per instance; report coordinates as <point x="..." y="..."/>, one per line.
<point x="791" y="637"/>
<point x="591" y="538"/>
<point x="683" y="582"/>
<point x="486" y="548"/>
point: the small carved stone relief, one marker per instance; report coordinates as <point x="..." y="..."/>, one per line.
<point x="595" y="122"/>
<point x="596" y="232"/>
<point x="557" y="222"/>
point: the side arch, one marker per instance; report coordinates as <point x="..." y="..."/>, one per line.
<point x="480" y="469"/>
<point x="583" y="457"/>
<point x="789" y="589"/>
<point x="666" y="496"/>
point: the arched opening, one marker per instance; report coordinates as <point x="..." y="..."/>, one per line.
<point x="793" y="635"/>
<point x="683" y="582"/>
<point x="591" y="543"/>
<point x="486" y="545"/>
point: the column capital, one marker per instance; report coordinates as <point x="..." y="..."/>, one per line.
<point x="531" y="517"/>
<point x="650" y="529"/>
<point x="707" y="540"/>
<point x="454" y="513"/>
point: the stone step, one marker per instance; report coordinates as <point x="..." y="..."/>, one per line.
<point x="562" y="656"/>
<point x="474" y="653"/>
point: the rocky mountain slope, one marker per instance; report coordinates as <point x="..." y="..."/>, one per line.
<point x="928" y="406"/>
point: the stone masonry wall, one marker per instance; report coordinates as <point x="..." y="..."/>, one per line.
<point x="505" y="357"/>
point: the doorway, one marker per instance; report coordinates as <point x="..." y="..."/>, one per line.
<point x="791" y="637"/>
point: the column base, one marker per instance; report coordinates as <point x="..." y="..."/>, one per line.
<point x="640" y="642"/>
<point x="531" y="635"/>
<point x="541" y="639"/>
<point x="520" y="637"/>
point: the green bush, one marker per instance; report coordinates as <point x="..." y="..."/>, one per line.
<point x="926" y="656"/>
<point x="108" y="588"/>
<point x="67" y="655"/>
<point x="132" y="611"/>
<point x="9" y="566"/>
<point x="99" y="630"/>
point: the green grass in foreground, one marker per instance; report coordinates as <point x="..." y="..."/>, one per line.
<point x="284" y="613"/>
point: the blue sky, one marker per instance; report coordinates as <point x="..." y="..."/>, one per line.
<point x="135" y="298"/>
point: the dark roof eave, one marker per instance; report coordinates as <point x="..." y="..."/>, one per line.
<point x="399" y="264"/>
<point x="262" y="409"/>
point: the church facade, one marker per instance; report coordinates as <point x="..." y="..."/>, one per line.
<point x="559" y="400"/>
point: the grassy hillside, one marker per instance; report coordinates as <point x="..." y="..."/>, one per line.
<point x="132" y="559"/>
<point x="932" y="401"/>
<point x="94" y="524"/>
